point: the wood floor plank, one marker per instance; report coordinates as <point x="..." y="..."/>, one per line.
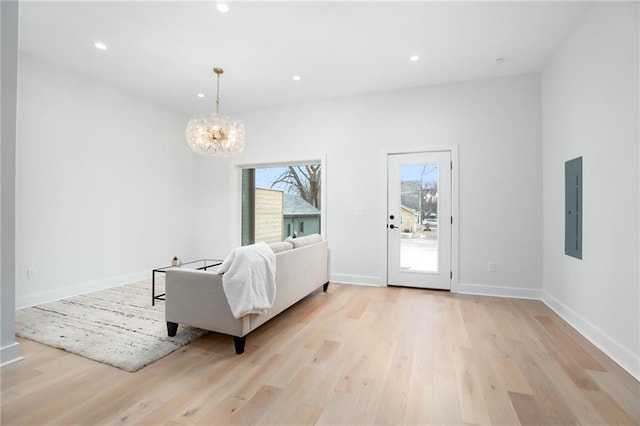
<point x="512" y="376"/>
<point x="527" y="408"/>
<point x="138" y="411"/>
<point x="473" y="408"/>
<point x="304" y="415"/>
<point x="623" y="392"/>
<point x="568" y="347"/>
<point x="419" y="409"/>
<point x="366" y="403"/>
<point x="446" y="401"/>
<point x="353" y="375"/>
<point x="256" y="375"/>
<point x="577" y="373"/>
<point x="250" y="413"/>
<point x="293" y="364"/>
<point x="338" y="410"/>
<point x="353" y="355"/>
<point x="612" y="412"/>
<point x="310" y="387"/>
<point x="548" y="398"/>
<point x="327" y="354"/>
<point x="494" y="388"/>
<point x="222" y="412"/>
<point x="573" y="396"/>
<point x="392" y="405"/>
<point x="108" y="404"/>
<point x="357" y="309"/>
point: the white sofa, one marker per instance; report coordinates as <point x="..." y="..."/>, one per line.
<point x="197" y="298"/>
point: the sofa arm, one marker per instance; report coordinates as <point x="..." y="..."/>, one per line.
<point x="197" y="298"/>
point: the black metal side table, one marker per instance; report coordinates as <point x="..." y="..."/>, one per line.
<point x="200" y="265"/>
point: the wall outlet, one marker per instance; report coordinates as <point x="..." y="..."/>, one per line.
<point x="491" y="266"/>
<point x="32" y="273"/>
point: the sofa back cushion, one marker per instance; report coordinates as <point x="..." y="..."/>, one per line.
<point x="281" y="246"/>
<point x="305" y="241"/>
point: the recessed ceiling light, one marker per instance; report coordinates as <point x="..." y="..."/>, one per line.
<point x="297" y="77"/>
<point x="201" y="95"/>
<point x="222" y="7"/>
<point x="100" y="45"/>
<point x="414" y="58"/>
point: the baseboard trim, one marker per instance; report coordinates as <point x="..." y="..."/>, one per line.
<point x="622" y="356"/>
<point x="10" y="354"/>
<point x="499" y="291"/>
<point x="83" y="288"/>
<point x="358" y="284"/>
<point x="358" y="280"/>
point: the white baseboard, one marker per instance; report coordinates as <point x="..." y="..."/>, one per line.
<point x="625" y="358"/>
<point x="499" y="291"/>
<point x="358" y="279"/>
<point x="10" y="354"/>
<point x="83" y="288"/>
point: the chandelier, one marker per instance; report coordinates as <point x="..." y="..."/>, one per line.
<point x="216" y="134"/>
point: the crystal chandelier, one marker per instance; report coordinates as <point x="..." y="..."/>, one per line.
<point x="216" y="134"/>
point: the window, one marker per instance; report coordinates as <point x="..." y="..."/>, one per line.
<point x="275" y="198"/>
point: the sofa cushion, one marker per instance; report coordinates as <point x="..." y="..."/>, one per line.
<point x="305" y="241"/>
<point x="281" y="246"/>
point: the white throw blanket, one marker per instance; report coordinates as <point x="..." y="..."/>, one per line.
<point x="249" y="279"/>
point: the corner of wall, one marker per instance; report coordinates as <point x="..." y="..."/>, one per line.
<point x="9" y="16"/>
<point x="10" y="354"/>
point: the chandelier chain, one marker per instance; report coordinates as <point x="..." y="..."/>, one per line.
<point x="218" y="95"/>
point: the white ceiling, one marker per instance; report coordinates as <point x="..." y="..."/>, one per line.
<point x="165" y="51"/>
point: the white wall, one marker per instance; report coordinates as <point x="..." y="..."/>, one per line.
<point x="495" y="123"/>
<point x="9" y="11"/>
<point x="590" y="109"/>
<point x="105" y="185"/>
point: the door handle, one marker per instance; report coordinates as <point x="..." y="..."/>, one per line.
<point x="392" y="226"/>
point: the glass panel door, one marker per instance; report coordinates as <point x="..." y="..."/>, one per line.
<point x="418" y="222"/>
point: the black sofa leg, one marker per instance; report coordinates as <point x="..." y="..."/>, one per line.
<point x="325" y="286"/>
<point x="239" y="342"/>
<point x="172" y="328"/>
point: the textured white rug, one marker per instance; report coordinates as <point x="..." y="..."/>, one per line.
<point x="117" y="326"/>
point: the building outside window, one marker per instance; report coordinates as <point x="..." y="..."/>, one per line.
<point x="280" y="202"/>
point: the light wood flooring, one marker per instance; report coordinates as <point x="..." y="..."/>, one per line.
<point x="355" y="355"/>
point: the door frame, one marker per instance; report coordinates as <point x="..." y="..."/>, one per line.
<point x="455" y="204"/>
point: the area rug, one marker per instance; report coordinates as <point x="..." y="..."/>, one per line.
<point x="117" y="326"/>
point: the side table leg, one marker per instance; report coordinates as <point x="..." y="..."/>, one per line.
<point x="172" y="328"/>
<point x="153" y="288"/>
